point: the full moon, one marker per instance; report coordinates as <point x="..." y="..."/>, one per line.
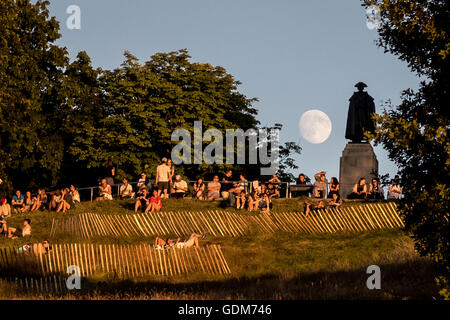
<point x="315" y="126"/>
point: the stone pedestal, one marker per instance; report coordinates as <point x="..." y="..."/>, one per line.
<point x="358" y="160"/>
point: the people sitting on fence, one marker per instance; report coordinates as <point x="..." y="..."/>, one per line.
<point x="155" y="203"/>
<point x="66" y="202"/>
<point x="180" y="188"/>
<point x="335" y="201"/>
<point x="321" y="185"/>
<point x="142" y="199"/>
<point x="301" y="181"/>
<point x="334" y="187"/>
<point x="226" y="185"/>
<point x="395" y="190"/>
<point x="359" y="190"/>
<point x="104" y="191"/>
<point x="75" y="194"/>
<point x="199" y="189"/>
<point x="163" y="172"/>
<point x="41" y="200"/>
<point x="214" y="189"/>
<point x="126" y="190"/>
<point x="188" y="243"/>
<point x="24" y="232"/>
<point x="17" y="201"/>
<point x="375" y="190"/>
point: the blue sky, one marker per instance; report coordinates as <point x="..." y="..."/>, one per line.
<point x="292" y="55"/>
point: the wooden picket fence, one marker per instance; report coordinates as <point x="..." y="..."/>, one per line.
<point x="124" y="261"/>
<point x="54" y="284"/>
<point x="372" y="216"/>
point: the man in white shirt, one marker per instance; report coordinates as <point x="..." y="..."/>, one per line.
<point x="180" y="188"/>
<point x="163" y="177"/>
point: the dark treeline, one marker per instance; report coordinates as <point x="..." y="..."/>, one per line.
<point x="61" y="120"/>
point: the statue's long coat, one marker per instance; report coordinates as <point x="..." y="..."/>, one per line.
<point x="359" y="117"/>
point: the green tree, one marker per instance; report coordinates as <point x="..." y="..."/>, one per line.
<point x="416" y="132"/>
<point x="31" y="75"/>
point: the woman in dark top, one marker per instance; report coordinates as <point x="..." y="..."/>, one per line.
<point x="334" y="188"/>
<point x="375" y="191"/>
<point x="359" y="190"/>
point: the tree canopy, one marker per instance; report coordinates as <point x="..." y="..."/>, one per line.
<point x="61" y="120"/>
<point x="416" y="132"/>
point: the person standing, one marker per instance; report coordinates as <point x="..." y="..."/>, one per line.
<point x="110" y="172"/>
<point x="163" y="178"/>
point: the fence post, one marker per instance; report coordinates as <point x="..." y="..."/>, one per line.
<point x="92" y="193"/>
<point x="287" y="190"/>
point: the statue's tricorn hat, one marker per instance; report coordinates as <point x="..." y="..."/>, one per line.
<point x="361" y="85"/>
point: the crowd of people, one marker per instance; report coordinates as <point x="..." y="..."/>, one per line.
<point x="240" y="194"/>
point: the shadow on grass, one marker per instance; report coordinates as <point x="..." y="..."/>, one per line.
<point x="411" y="280"/>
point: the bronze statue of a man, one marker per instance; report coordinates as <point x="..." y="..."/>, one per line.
<point x="360" y="110"/>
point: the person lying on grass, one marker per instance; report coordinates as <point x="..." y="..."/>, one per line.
<point x="309" y="209"/>
<point x="25" y="231"/>
<point x="188" y="243"/>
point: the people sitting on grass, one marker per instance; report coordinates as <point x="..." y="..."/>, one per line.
<point x="24" y="232"/>
<point x="143" y="181"/>
<point x="359" y="190"/>
<point x="56" y="198"/>
<point x="104" y="191"/>
<point x="5" y="212"/>
<point x="180" y="188"/>
<point x="75" y="194"/>
<point x="334" y="187"/>
<point x="66" y="202"/>
<point x="265" y="204"/>
<point x="335" y="201"/>
<point x="321" y="185"/>
<point x="142" y="199"/>
<point x="155" y="203"/>
<point x="126" y="190"/>
<point x="188" y="243"/>
<point x="253" y="200"/>
<point x="375" y="191"/>
<point x="41" y="200"/>
<point x="214" y="189"/>
<point x="395" y="190"/>
<point x="241" y="200"/>
<point x="163" y="172"/>
<point x="17" y="201"/>
<point x="27" y="202"/>
<point x="199" y="189"/>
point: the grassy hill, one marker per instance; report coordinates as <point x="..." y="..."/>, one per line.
<point x="277" y="265"/>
